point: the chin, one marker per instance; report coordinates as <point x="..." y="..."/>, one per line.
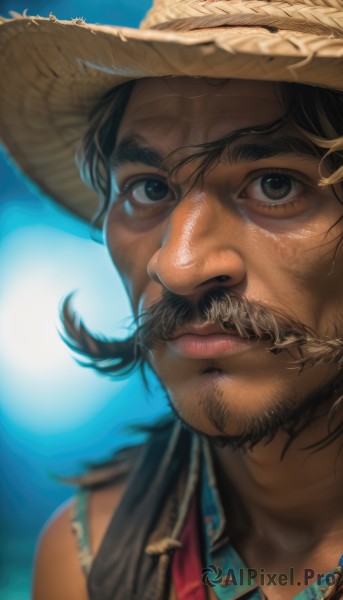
<point x="219" y="404"/>
<point x="243" y="407"/>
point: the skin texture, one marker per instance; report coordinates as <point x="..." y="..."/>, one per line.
<point x="280" y="254"/>
<point x="272" y="254"/>
<point x="57" y="572"/>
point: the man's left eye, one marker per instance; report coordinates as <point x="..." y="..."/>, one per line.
<point x="149" y="191"/>
<point x="273" y="187"/>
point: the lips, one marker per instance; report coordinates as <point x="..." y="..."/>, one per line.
<point x="205" y="340"/>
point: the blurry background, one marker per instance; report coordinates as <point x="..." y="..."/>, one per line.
<point x="54" y="415"/>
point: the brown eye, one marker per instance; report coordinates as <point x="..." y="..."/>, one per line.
<point x="276" y="186"/>
<point x="273" y="188"/>
<point x="150" y="191"/>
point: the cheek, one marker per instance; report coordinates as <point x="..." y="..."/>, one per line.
<point x="309" y="273"/>
<point x="314" y="261"/>
<point x="298" y="261"/>
<point x="130" y="253"/>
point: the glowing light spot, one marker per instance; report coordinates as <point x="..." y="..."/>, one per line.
<point x="42" y="387"/>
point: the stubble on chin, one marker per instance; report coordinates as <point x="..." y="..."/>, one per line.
<point x="214" y="416"/>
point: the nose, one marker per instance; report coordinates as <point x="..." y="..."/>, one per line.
<point x="200" y="248"/>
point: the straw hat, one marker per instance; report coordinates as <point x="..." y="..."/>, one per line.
<point x="52" y="71"/>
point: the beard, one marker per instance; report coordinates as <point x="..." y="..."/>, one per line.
<point x="283" y="415"/>
<point x="282" y="333"/>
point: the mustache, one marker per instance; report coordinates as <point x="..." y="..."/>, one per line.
<point x="160" y="321"/>
<point x="225" y="309"/>
<point x="248" y="319"/>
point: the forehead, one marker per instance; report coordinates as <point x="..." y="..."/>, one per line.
<point x="187" y="110"/>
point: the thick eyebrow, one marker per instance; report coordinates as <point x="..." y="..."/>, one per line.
<point x="281" y="146"/>
<point x="133" y="151"/>
<point x="129" y="151"/>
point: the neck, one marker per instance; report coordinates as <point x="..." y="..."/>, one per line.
<point x="294" y="502"/>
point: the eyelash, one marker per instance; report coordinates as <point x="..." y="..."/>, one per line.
<point x="278" y="171"/>
<point x="129" y="186"/>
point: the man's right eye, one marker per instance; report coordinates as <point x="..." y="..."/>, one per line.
<point x="146" y="192"/>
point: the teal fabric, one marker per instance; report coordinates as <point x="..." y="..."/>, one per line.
<point x="225" y="571"/>
<point x="223" y="562"/>
<point x="79" y="525"/>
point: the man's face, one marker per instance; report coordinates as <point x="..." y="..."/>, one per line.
<point x="257" y="226"/>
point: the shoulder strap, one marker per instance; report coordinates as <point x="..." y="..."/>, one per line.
<point x="79" y="524"/>
<point x="122" y="569"/>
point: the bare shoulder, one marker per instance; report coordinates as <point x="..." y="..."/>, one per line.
<point x="57" y="572"/>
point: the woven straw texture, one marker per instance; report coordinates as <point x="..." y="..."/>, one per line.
<point x="308" y="11"/>
<point x="56" y="70"/>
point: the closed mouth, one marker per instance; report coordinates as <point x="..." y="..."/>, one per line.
<point x="206" y="340"/>
<point x="204" y="329"/>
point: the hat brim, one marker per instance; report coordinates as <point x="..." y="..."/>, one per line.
<point x="53" y="72"/>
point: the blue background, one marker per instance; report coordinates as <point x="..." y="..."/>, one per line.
<point x="54" y="415"/>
